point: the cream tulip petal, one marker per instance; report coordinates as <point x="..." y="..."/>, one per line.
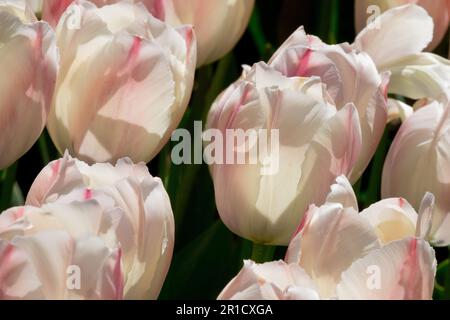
<point x="425" y="216"/>
<point x="13" y="222"/>
<point x="14" y="267"/>
<point x="422" y="75"/>
<point x="342" y="192"/>
<point x="422" y="142"/>
<point x="28" y="58"/>
<point x="122" y="205"/>
<point x="437" y="9"/>
<point x="140" y="73"/>
<point x="332" y="240"/>
<point x="268" y="281"/>
<point x="301" y="293"/>
<point x="60" y="175"/>
<point x="297" y="38"/>
<point x="350" y="76"/>
<point x="392" y="219"/>
<point x="20" y="9"/>
<point x="97" y="265"/>
<point x="49" y="252"/>
<point x="398" y="32"/>
<point x="212" y="20"/>
<point x="398" y="110"/>
<point x="402" y="270"/>
<point x="154" y="256"/>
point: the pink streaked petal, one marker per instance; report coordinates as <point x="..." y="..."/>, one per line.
<point x="332" y="241"/>
<point x="401" y="270"/>
<point x="118" y="276"/>
<point x="58" y="177"/>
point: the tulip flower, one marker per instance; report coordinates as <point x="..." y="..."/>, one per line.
<point x="114" y="223"/>
<point x="389" y="227"/>
<point x="270" y="281"/>
<point x="418" y="162"/>
<point x="350" y="77"/>
<point x="40" y="259"/>
<point x="52" y="10"/>
<point x="338" y="253"/>
<point x="314" y="143"/>
<point x="29" y="65"/>
<point x="439" y="10"/>
<point x="36" y="5"/>
<point x="395" y="41"/>
<point x="123" y="88"/>
<point x="218" y="24"/>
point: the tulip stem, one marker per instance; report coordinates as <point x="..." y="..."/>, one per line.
<point x="218" y="82"/>
<point x="447" y="280"/>
<point x="8" y="179"/>
<point x="373" y="192"/>
<point x="262" y="253"/>
<point x="43" y="148"/>
<point x="334" y="22"/>
<point x="256" y="30"/>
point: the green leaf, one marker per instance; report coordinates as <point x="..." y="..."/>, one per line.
<point x="17" y="196"/>
<point x="203" y="268"/>
<point x="442" y="282"/>
<point x="8" y="179"/>
<point x="257" y="33"/>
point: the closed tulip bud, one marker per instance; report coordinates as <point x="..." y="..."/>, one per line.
<point x="339" y="253"/>
<point x="300" y="142"/>
<point x="29" y="64"/>
<point x="439" y="10"/>
<point x="418" y="162"/>
<point x="218" y="24"/>
<point x="113" y="225"/>
<point x="124" y="83"/>
<point x="350" y="77"/>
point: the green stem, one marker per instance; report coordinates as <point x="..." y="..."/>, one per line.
<point x="256" y="30"/>
<point x="447" y="281"/>
<point x="262" y="253"/>
<point x="7" y="182"/>
<point x="333" y="31"/>
<point x="165" y="165"/>
<point x="17" y="198"/>
<point x="43" y="148"/>
<point x="218" y="82"/>
<point x="373" y="190"/>
<point x="357" y="189"/>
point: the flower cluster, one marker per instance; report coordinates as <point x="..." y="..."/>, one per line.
<point x="111" y="80"/>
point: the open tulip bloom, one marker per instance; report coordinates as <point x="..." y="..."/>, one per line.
<point x="332" y="160"/>
<point x="111" y="225"/>
<point x="212" y="20"/>
<point x="339" y="253"/>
